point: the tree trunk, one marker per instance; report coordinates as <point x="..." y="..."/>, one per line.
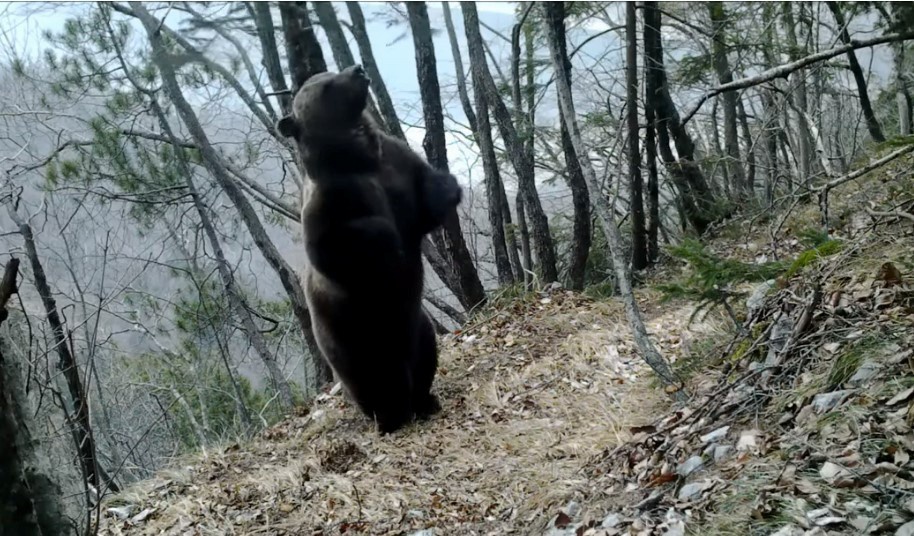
<point x="342" y="55"/>
<point x="653" y="183"/>
<point x="717" y="148"/>
<point x="302" y="47"/>
<point x="490" y="170"/>
<point x="213" y="163"/>
<point x="524" y="239"/>
<point x="266" y="32"/>
<point x="648" y="352"/>
<point x="635" y="181"/>
<point x="725" y="76"/>
<point x="696" y="197"/>
<point x="522" y="161"/>
<point x="903" y="95"/>
<point x="240" y="309"/>
<point x="872" y="124"/>
<point x="771" y="146"/>
<point x="798" y="81"/>
<point x="750" y="148"/>
<point x="498" y="210"/>
<point x="81" y="427"/>
<point x="450" y="239"/>
<point x="574" y="177"/>
<point x="30" y="501"/>
<point x="385" y="104"/>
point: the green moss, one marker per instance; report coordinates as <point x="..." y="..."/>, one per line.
<point x="812" y="255"/>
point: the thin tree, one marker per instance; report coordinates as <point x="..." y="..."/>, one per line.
<point x="872" y="124"/>
<point x="635" y="181"/>
<point x="580" y="198"/>
<point x="604" y="211"/>
<point x="798" y="83"/>
<point x="266" y="32"/>
<point x="483" y="134"/>
<point x="521" y="158"/>
<point x="386" y="108"/>
<point x="449" y="240"/>
<point x="653" y="183"/>
<point x="213" y="162"/>
<point x="79" y="421"/>
<point x="31" y="501"/>
<point x="734" y="162"/>
<point x="695" y="195"/>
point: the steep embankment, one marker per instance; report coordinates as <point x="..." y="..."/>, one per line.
<point x="800" y="423"/>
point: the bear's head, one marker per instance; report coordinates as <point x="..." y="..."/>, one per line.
<point x="328" y="105"/>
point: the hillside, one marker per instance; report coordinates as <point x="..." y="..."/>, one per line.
<point x="552" y="424"/>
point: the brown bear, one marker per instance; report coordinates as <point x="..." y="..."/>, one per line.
<point x="368" y="202"/>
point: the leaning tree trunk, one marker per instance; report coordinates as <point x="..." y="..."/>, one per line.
<point x="385" y="103"/>
<point x="635" y="181"/>
<point x="79" y="421"/>
<point x="266" y="32"/>
<point x="902" y="95"/>
<point x="730" y="98"/>
<point x="30" y="501"/>
<point x="342" y="55"/>
<point x="520" y="158"/>
<point x="695" y="195"/>
<point x="798" y="83"/>
<point x="449" y="239"/>
<point x="240" y="309"/>
<point x="490" y="171"/>
<point x="212" y="161"/>
<point x="605" y="212"/>
<point x="653" y="183"/>
<point x="574" y="176"/>
<point x="872" y="124"/>
<point x="302" y="47"/>
<point x="506" y="259"/>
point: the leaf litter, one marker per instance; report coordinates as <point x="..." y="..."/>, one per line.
<point x="552" y="424"/>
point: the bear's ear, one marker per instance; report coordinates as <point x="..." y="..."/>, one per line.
<point x="287" y="127"/>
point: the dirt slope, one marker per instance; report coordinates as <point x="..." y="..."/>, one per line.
<point x="800" y="425"/>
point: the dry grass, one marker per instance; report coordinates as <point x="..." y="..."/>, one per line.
<point x="529" y="395"/>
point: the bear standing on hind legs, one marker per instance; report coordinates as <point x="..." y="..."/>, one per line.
<point x="368" y="202"/>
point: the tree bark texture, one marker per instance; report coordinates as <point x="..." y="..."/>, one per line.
<point x="30" y="502"/>
<point x="605" y="212"/>
<point x="695" y="195"/>
<point x="302" y="47"/>
<point x="504" y="243"/>
<point x="635" y="181"/>
<point x="543" y="246"/>
<point x="872" y="124"/>
<point x="339" y="47"/>
<point x="449" y="239"/>
<point x="725" y="76"/>
<point x="266" y="32"/>
<point x="385" y="104"/>
<point x="581" y="233"/>
<point x="80" y="425"/>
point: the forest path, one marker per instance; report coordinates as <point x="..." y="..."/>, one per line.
<point x="530" y="393"/>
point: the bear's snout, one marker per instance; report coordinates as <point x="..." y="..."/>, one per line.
<point x="356" y="71"/>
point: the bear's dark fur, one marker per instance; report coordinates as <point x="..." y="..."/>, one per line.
<point x="368" y="202"/>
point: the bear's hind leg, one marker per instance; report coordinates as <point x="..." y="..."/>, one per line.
<point x="424" y="365"/>
<point x="384" y="396"/>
